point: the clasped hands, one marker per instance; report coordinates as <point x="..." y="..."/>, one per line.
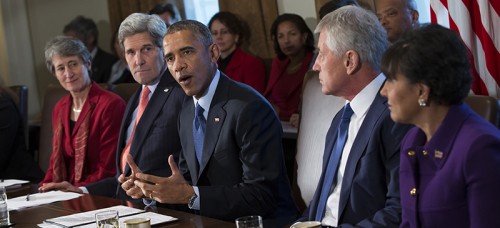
<point x="172" y="190"/>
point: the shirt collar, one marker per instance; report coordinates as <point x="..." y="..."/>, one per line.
<point x="206" y="99"/>
<point x="363" y="100"/>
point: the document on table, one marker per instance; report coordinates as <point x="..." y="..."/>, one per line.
<point x="12" y="183"/>
<point x="87" y="219"/>
<point x="39" y="199"/>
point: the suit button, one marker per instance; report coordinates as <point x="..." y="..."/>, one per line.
<point x="411" y="153"/>
<point x="413" y="192"/>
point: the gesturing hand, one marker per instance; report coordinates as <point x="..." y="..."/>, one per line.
<point x="127" y="182"/>
<point x="173" y="190"/>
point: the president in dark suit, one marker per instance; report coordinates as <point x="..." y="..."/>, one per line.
<point x="231" y="163"/>
<point x="359" y="183"/>
<point x="151" y="137"/>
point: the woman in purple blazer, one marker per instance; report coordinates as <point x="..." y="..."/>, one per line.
<point x="450" y="162"/>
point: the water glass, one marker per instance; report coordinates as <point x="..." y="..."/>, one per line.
<point x="107" y="219"/>
<point x="252" y="221"/>
<point x="4" y="212"/>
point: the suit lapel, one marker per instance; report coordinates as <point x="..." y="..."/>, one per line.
<point x="154" y="107"/>
<point x="359" y="147"/>
<point x="215" y="120"/>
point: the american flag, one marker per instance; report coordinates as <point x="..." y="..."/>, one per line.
<point x="478" y="24"/>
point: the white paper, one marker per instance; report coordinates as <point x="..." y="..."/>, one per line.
<point x="88" y="218"/>
<point x="155" y="219"/>
<point x="39" y="199"/>
<point x="12" y="183"/>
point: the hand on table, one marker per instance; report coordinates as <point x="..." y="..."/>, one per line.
<point x="62" y="186"/>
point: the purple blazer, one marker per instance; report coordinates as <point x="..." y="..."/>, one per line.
<point x="454" y="179"/>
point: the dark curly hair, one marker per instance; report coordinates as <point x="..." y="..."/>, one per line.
<point x="434" y="56"/>
<point x="301" y="25"/>
<point x="235" y="25"/>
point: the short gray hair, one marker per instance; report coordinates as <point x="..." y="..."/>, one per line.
<point x="200" y="31"/>
<point x="138" y="23"/>
<point x="354" y="28"/>
<point x="65" y="46"/>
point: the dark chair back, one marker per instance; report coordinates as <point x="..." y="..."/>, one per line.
<point x="485" y="106"/>
<point x="53" y="94"/>
<point x="125" y="90"/>
<point x="22" y="103"/>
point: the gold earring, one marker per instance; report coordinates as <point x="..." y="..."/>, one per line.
<point x="422" y="102"/>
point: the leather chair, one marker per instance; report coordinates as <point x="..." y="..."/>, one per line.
<point x="125" y="90"/>
<point x="317" y="112"/>
<point x="22" y="103"/>
<point x="53" y="94"/>
<point x="485" y="106"/>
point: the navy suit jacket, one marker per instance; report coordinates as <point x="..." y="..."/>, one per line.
<point x="155" y="137"/>
<point x="242" y="170"/>
<point x="370" y="187"/>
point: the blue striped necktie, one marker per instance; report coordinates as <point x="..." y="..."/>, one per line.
<point x="199" y="123"/>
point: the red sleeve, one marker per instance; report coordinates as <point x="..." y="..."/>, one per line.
<point x="255" y="74"/>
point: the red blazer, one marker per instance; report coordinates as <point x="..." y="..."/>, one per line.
<point x="103" y="136"/>
<point x="286" y="98"/>
<point x="248" y="69"/>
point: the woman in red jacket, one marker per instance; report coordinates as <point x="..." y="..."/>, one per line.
<point x="85" y="123"/>
<point x="230" y="32"/>
<point x="294" y="46"/>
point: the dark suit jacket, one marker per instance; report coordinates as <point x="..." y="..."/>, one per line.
<point x="101" y="66"/>
<point x="15" y="161"/>
<point x="457" y="180"/>
<point x="155" y="138"/>
<point x="242" y="171"/>
<point x="370" y="188"/>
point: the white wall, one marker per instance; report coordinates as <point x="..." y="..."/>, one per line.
<point x="304" y="8"/>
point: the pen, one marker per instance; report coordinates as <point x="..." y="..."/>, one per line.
<point x="28" y="197"/>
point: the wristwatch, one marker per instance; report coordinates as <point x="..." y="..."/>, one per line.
<point x="191" y="200"/>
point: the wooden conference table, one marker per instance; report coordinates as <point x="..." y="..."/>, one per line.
<point x="30" y="217"/>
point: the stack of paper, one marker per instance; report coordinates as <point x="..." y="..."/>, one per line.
<point x="39" y="199"/>
<point x="87" y="219"/>
<point x="12" y="183"/>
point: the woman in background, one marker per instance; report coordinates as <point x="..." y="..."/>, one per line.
<point x="85" y="123"/>
<point x="450" y="160"/>
<point x="15" y="161"/>
<point x="294" y="46"/>
<point x="230" y="32"/>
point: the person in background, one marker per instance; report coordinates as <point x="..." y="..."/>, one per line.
<point x="85" y="123"/>
<point x="120" y="71"/>
<point x="15" y="161"/>
<point x="151" y="137"/>
<point x="450" y="160"/>
<point x="359" y="185"/>
<point x="86" y="31"/>
<point x="167" y="12"/>
<point x="333" y="5"/>
<point x="231" y="164"/>
<point x="230" y="32"/>
<point x="294" y="45"/>
<point x="397" y="17"/>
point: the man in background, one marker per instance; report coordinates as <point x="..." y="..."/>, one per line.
<point x="85" y="30"/>
<point x="397" y="16"/>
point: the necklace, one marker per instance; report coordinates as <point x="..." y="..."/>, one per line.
<point x="76" y="110"/>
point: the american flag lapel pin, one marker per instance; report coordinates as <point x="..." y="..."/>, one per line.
<point x="165" y="90"/>
<point x="217" y="119"/>
<point x="438" y="154"/>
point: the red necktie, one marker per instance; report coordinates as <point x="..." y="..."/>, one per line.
<point x="142" y="105"/>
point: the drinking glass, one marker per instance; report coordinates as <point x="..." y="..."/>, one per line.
<point x="252" y="221"/>
<point x="107" y="219"/>
<point x="4" y="212"/>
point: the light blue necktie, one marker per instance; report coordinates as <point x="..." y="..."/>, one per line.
<point x="199" y="123"/>
<point x="333" y="162"/>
